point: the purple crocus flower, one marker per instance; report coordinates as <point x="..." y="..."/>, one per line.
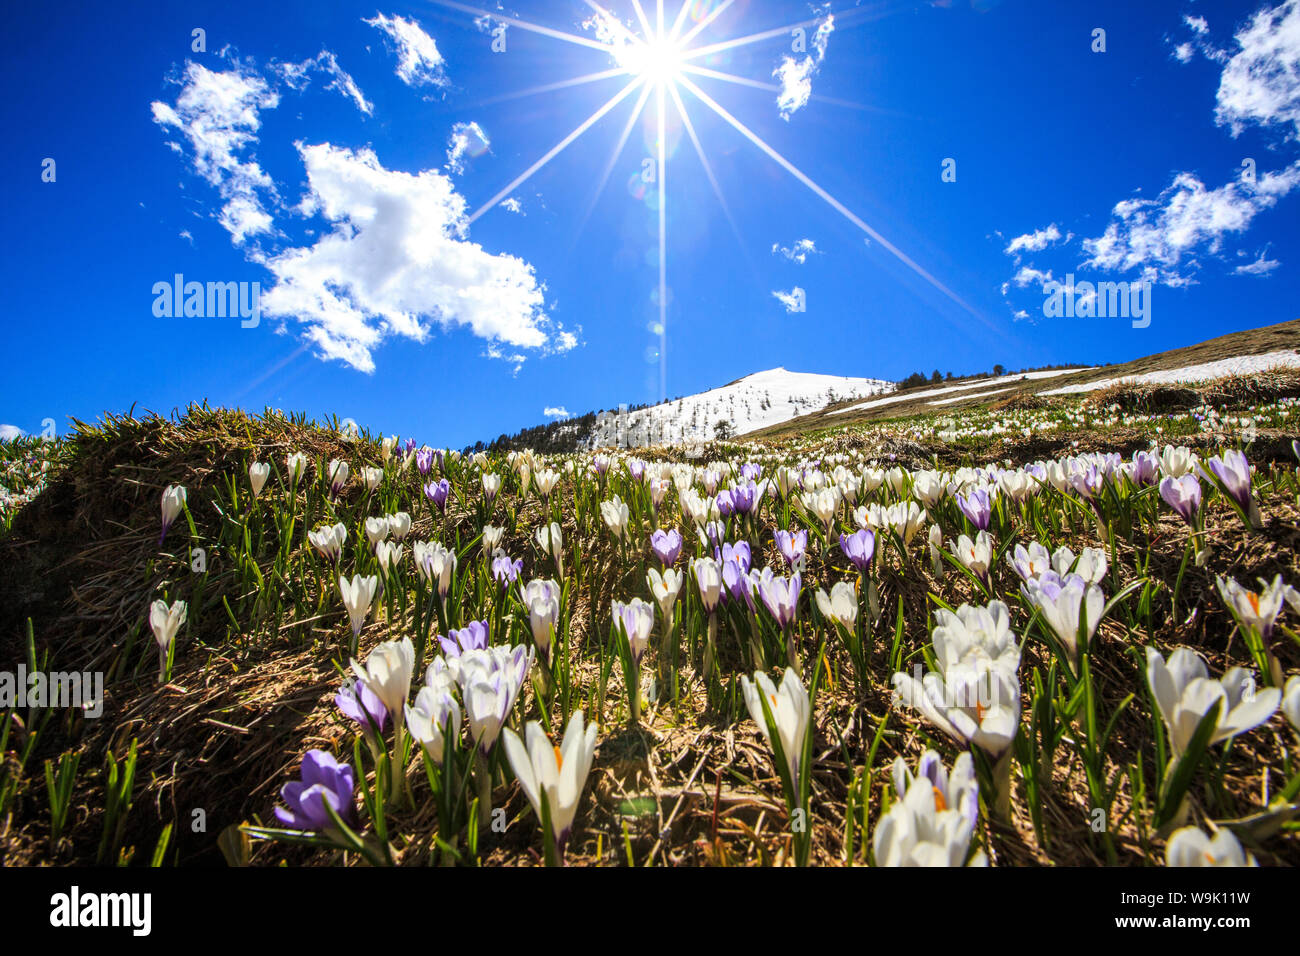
<point x="1146" y="467"/>
<point x="410" y="445"/>
<point x="859" y="548"/>
<point x="738" y="552"/>
<point x="359" y="703"/>
<point x="667" y="545"/>
<point x="713" y="531"/>
<point x="324" y="781"/>
<point x="743" y="497"/>
<point x="506" y="571"/>
<point x="792" y="545"/>
<point x="736" y="584"/>
<point x="437" y="492"/>
<point x="780" y="596"/>
<point x="978" y="507"/>
<point x="636" y="468"/>
<point x="1183" y="495"/>
<point x="726" y="503"/>
<point x="472" y="637"/>
<point x="1233" y="470"/>
<point x="424" y="460"/>
<point x="751" y="472"/>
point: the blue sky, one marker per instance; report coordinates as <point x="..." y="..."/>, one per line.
<point x="312" y="148"/>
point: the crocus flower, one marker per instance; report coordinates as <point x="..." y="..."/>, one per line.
<point x="506" y="571"/>
<point x="358" y="594"/>
<point x="1258" y="612"/>
<point x="664" y="588"/>
<point x="1063" y="601"/>
<point x="738" y="552"/>
<point x="437" y="492"/>
<point x="359" y="704"/>
<point x="173" y="500"/>
<point x="822" y="504"/>
<point x="1144" y="469"/>
<point x="492" y="536"/>
<point x="324" y="782"/>
<point x="666" y="545"/>
<point x="424" y="460"/>
<point x="399" y="525"/>
<point x="1176" y="462"/>
<point x="1184" y="694"/>
<point x="542" y="599"/>
<point x="1191" y="847"/>
<point x="491" y="485"/>
<point x="328" y="541"/>
<point x="551" y="541"/>
<point x="554" y="774"/>
<point x="372" y="477"/>
<point x="793" y="546"/>
<point x="1291" y="701"/>
<point x="472" y="637"/>
<point x="1090" y="564"/>
<point x="546" y="482"/>
<point x="977" y="507"/>
<point x="376" y="530"/>
<point x="934" y="819"/>
<point x="780" y="596"/>
<point x="338" y="476"/>
<point x="296" y="464"/>
<point x="1183" y="494"/>
<point x="790" y="709"/>
<point x="708" y="576"/>
<point x="616" y="515"/>
<point x="744" y="497"/>
<point x="490" y="681"/>
<point x="840" y="605"/>
<point x="389" y="556"/>
<point x="975" y="556"/>
<point x="974" y="695"/>
<point x="905" y="519"/>
<point x="436" y="565"/>
<point x="1233" y="472"/>
<point x="258" y="472"/>
<point x="165" y="621"/>
<point x="1030" y="562"/>
<point x="637" y="619"/>
<point x="434" y="718"/>
<point x="388" y="672"/>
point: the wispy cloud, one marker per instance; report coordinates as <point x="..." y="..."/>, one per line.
<point x="795" y="74"/>
<point x="1035" y="241"/>
<point x="798" y="252"/>
<point x="298" y="75"/>
<point x="419" y="62"/>
<point x="466" y="140"/>
<point x="554" y="412"/>
<point x="792" y="300"/>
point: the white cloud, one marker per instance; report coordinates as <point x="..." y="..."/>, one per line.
<point x="1020" y="316"/>
<point x="1260" y="267"/>
<point x="219" y="114"/>
<point x="1035" y="241"/>
<point x="513" y="205"/>
<point x="1028" y="276"/>
<point x="297" y="75"/>
<point x="419" y="63"/>
<point x="793" y="300"/>
<point x="10" y="432"/>
<point x="467" y="139"/>
<point x="1164" y="235"/>
<point x="795" y="75"/>
<point x="1261" y="82"/>
<point x="552" y="412"/>
<point x="1183" y="53"/>
<point x="1198" y="24"/>
<point x="798" y="252"/>
<point x="395" y="260"/>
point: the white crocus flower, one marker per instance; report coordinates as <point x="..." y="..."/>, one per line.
<point x="1090" y="564"/>
<point x="436" y="565"/>
<point x="546" y="482"/>
<point x="975" y="556"/>
<point x="1176" y="462"/>
<point x="840" y="605"/>
<point x="708" y="575"/>
<point x="491" y="485"/>
<point x="905" y="519"/>
<point x="492" y="536"/>
<point x="1257" y="611"/>
<point x="388" y="672"/>
<point x="435" y="712"/>
<point x="1184" y="694"/>
<point x="637" y="620"/>
<point x="399" y="525"/>
<point x="389" y="555"/>
<point x="296" y="465"/>
<point x="165" y="621"/>
<point x="1291" y="701"/>
<point x="173" y="500"/>
<point x="616" y="516"/>
<point x="664" y="588"/>
<point x="338" y="474"/>
<point x="1064" y="602"/>
<point x="556" y="774"/>
<point x="928" y="487"/>
<point x="974" y="695"/>
<point x="372" y="477"/>
<point x="1191" y="847"/>
<point x="550" y="540"/>
<point x="1031" y="562"/>
<point x="542" y="599"/>
<point x="821" y="504"/>
<point x="376" y="530"/>
<point x="329" y="541"/>
<point x="935" y="537"/>
<point x="358" y="595"/>
<point x="790" y="712"/>
<point x="934" y="819"/>
<point x="258" y="472"/>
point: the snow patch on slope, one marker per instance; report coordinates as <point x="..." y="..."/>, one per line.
<point x="1239" y="365"/>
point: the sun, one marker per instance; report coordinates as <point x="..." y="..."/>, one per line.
<point x="657" y="60"/>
